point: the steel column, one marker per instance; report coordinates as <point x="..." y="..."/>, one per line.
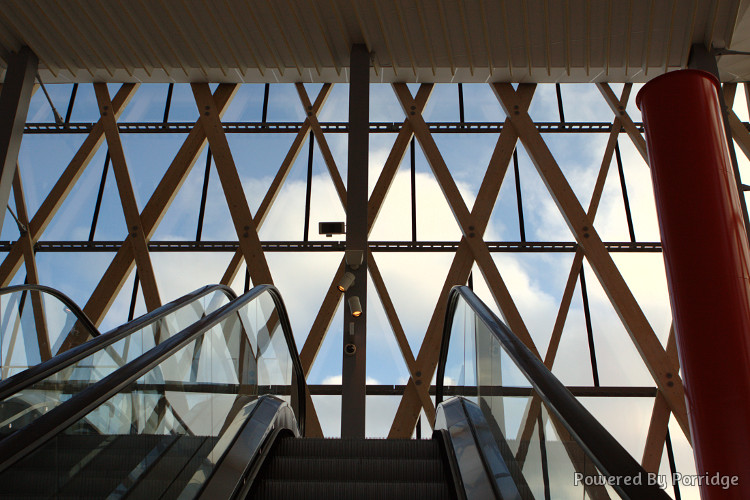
<point x="697" y="200"/>
<point x="355" y="331"/>
<point x="14" y="105"/>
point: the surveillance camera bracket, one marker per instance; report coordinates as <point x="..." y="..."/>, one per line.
<point x="354" y="258"/>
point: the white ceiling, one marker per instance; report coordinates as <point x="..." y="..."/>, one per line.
<point x="411" y="40"/>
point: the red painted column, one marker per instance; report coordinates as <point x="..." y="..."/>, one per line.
<point x="706" y="256"/>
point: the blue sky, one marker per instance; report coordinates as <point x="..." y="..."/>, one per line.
<point x="536" y="281"/>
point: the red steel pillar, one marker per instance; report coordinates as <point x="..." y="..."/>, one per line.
<point x="706" y="255"/>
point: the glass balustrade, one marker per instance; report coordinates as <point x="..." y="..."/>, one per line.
<point x="27" y="404"/>
<point x="37" y="323"/>
<point x="182" y="407"/>
<point x="539" y="451"/>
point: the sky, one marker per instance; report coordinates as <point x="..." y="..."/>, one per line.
<point x="536" y="281"/>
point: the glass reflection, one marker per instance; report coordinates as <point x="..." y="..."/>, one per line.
<point x="538" y="451"/>
<point x="172" y="425"/>
<point x="26" y="405"/>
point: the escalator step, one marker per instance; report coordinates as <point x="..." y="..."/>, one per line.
<point x="283" y="490"/>
<point x="365" y="469"/>
<point x="355" y="448"/>
<point x="353" y="468"/>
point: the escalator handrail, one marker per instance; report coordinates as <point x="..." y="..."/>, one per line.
<point x="27" y="440"/>
<point x="77" y="311"/>
<point x="33" y="374"/>
<point x="606" y="452"/>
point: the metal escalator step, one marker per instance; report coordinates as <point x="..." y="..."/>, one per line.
<point x="364" y="469"/>
<point x="355" y="448"/>
<point x="284" y="490"/>
<point x="354" y="468"/>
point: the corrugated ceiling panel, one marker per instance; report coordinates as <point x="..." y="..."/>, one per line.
<point x="412" y="40"/>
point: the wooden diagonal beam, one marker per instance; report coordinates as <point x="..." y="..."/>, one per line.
<point x="618" y="109"/>
<point x="239" y="209"/>
<point x="136" y="235"/>
<point x="662" y="370"/>
<point x="403" y="343"/>
<point x="533" y="407"/>
<point x="740" y="133"/>
<point x="657" y="429"/>
<point x="312" y="118"/>
<point x="32" y="276"/>
<point x="467" y="222"/>
<point x="575" y="269"/>
<point x="408" y="410"/>
<point x="119" y="269"/>
<point x="323" y="320"/>
<point x="278" y="180"/>
<point x="64" y="185"/>
<point x="395" y="157"/>
<point x="312" y="423"/>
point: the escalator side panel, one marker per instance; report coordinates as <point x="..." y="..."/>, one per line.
<point x="263" y="422"/>
<point x="483" y="475"/>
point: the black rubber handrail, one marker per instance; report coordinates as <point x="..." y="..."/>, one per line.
<point x="33" y="374"/>
<point x="25" y="441"/>
<point x="606" y="452"/>
<point x="77" y="311"/>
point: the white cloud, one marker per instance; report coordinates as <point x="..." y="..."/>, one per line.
<point x="415" y="279"/>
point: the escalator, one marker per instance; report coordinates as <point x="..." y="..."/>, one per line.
<point x="82" y="355"/>
<point x="218" y="410"/>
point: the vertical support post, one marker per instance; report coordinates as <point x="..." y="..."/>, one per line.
<point x="308" y="190"/>
<point x="355" y="331"/>
<point x="519" y="199"/>
<point x="204" y="196"/>
<point x="71" y="102"/>
<point x="99" y="196"/>
<point x="14" y="106"/>
<point x="625" y="200"/>
<point x="708" y="268"/>
<point x="413" y="193"/>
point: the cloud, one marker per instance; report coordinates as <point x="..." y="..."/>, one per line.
<point x="414" y="279"/>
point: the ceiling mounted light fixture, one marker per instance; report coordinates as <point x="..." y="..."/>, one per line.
<point x="354" y="306"/>
<point x="346" y="281"/>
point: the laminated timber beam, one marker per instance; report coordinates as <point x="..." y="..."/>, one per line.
<point x="32" y="275"/>
<point x="618" y="108"/>
<point x="114" y="277"/>
<point x="408" y="409"/>
<point x="658" y="426"/>
<point x="283" y="172"/>
<point x="664" y="372"/>
<point x="231" y="183"/>
<point x="533" y="408"/>
<point x="136" y="236"/>
<point x="333" y="296"/>
<point x="63" y="186"/>
<point x="467" y="222"/>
